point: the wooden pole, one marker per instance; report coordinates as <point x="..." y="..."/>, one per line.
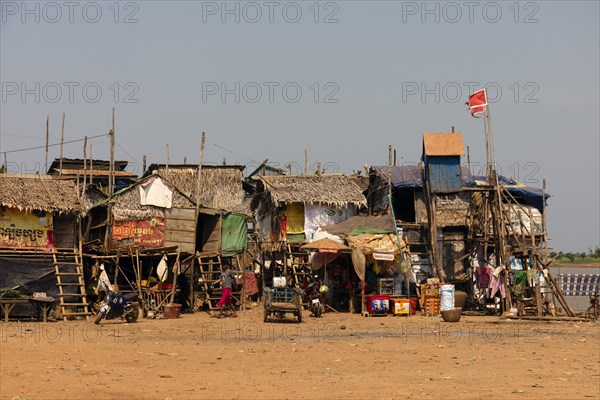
<point x="305" y="161"/>
<point x="62" y="139"/>
<point x="144" y="164"/>
<point x="111" y="177"/>
<point x="175" y="273"/>
<point x="395" y="163"/>
<point x="84" y="163"/>
<point x="390" y="174"/>
<point x="47" y="140"/>
<point x="91" y="166"/>
<point x="198" y="180"/>
<point x="168" y="159"/>
<point x="469" y="160"/>
<point x="544" y="232"/>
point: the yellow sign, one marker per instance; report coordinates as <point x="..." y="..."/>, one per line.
<point x="20" y="229"/>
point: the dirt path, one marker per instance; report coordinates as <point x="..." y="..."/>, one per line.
<point x="339" y="356"/>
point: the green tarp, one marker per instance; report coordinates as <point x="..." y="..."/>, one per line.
<point x="234" y="231"/>
<point x="295" y="238"/>
<point x="365" y="229"/>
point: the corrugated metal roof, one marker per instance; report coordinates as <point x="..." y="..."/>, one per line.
<point x="443" y="144"/>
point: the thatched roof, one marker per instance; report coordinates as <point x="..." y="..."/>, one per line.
<point x="127" y="203"/>
<point x="243" y="208"/>
<point x="220" y="186"/>
<point x="39" y="192"/>
<point x="329" y="189"/>
<point x="92" y="196"/>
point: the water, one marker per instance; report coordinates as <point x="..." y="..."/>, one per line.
<point x="577" y="303"/>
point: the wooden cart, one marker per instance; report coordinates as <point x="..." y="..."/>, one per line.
<point x="279" y="301"/>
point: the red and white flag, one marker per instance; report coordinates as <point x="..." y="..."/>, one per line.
<point x="477" y="103"/>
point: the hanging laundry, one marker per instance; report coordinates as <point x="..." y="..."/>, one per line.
<point x="497" y="285"/>
<point x="483" y="277"/>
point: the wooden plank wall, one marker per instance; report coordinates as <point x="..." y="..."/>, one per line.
<point x="211" y="232"/>
<point x="180" y="229"/>
<point x="64" y="231"/>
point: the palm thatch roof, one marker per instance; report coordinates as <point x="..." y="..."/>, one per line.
<point x="92" y="196"/>
<point x="329" y="189"/>
<point x="220" y="185"/>
<point x="126" y="203"/>
<point x="39" y="192"/>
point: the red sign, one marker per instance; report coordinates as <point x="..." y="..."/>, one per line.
<point x="144" y="233"/>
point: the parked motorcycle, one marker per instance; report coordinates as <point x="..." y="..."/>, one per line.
<point x="117" y="305"/>
<point x="315" y="305"/>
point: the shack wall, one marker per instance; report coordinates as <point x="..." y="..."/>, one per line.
<point x="180" y="229"/>
<point x="444" y="174"/>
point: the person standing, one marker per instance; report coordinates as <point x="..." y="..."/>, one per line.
<point x="227" y="277"/>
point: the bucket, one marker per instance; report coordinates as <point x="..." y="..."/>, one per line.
<point x="413" y="305"/>
<point x="447" y="297"/>
<point x="279" y="281"/>
<point x="171" y="310"/>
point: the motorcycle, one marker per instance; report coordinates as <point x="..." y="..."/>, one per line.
<point x="315" y="306"/>
<point x="117" y="305"/>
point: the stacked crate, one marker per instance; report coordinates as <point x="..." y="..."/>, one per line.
<point x="430" y="299"/>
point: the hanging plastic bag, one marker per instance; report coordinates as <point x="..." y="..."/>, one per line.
<point x="163" y="269"/>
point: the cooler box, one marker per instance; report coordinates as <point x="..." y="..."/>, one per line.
<point x="400" y="306"/>
<point x="378" y="304"/>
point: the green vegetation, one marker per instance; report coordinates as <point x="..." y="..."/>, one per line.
<point x="592" y="256"/>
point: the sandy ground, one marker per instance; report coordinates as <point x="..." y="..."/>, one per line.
<point x="338" y="356"/>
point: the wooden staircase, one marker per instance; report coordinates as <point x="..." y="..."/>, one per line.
<point x="210" y="274"/>
<point x="301" y="267"/>
<point x="68" y="269"/>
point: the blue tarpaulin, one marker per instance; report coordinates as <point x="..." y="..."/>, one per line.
<point x="410" y="176"/>
<point x="531" y="196"/>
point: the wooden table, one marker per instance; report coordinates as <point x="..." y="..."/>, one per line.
<point x="7" y="305"/>
<point x="41" y="304"/>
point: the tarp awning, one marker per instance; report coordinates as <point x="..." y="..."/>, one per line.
<point x="234" y="231"/>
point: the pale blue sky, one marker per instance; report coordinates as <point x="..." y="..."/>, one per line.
<point x="375" y="61"/>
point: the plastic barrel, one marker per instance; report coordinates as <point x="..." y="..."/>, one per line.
<point x="447" y="297"/>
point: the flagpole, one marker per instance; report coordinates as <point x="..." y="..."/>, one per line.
<point x="487" y="123"/>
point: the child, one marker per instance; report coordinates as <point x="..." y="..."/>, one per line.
<point x="227" y="277"/>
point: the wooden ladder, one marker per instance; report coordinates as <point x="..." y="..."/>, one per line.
<point x="68" y="269"/>
<point x="301" y="266"/>
<point x="210" y="266"/>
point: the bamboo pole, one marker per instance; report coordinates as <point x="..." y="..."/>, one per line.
<point x="84" y="163"/>
<point x="545" y="233"/>
<point x="47" y="140"/>
<point x="175" y="273"/>
<point x="305" y="161"/>
<point x="111" y="177"/>
<point x="62" y="140"/>
<point x="390" y="175"/>
<point x="168" y="159"/>
<point x="198" y="180"/>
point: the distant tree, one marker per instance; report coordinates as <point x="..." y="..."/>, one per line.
<point x="570" y="256"/>
<point x="553" y="254"/>
<point x="583" y="255"/>
<point x="597" y="252"/>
